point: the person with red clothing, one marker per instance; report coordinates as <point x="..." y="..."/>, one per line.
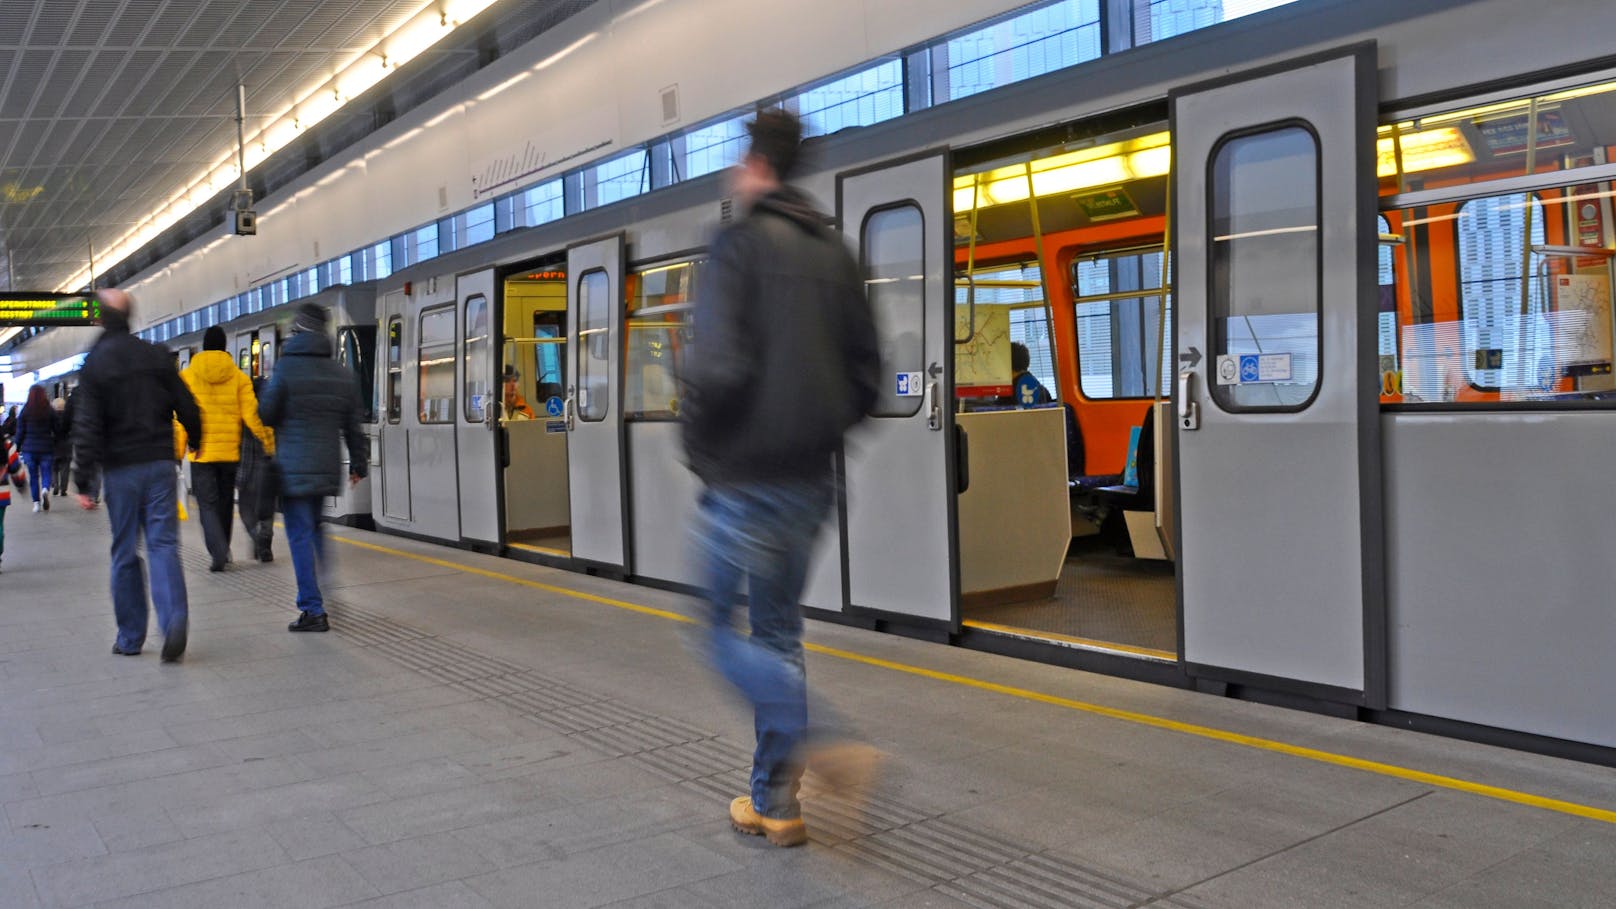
<point x="10" y="467"/>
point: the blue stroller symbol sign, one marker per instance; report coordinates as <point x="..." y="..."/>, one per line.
<point x="1249" y="371"/>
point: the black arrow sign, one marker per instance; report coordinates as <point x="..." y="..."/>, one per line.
<point x="1191" y="359"/>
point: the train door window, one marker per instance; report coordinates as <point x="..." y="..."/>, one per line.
<point x="477" y="351"/>
<point x="1389" y="371"/>
<point x="255" y="358"/>
<point x="594" y="346"/>
<point x="1503" y="338"/>
<point x="1122" y="319"/>
<point x="659" y="303"/>
<point x="1264" y="237"/>
<point x="395" y="370"/>
<point x="357" y="351"/>
<point x="266" y="357"/>
<point x="893" y="249"/>
<point x="437" y="371"/>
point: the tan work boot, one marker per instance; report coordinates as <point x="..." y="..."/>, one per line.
<point x="846" y="767"/>
<point x="745" y="819"/>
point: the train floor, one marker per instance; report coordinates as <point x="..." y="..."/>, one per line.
<point x="480" y="732"/>
<point x="1103" y="598"/>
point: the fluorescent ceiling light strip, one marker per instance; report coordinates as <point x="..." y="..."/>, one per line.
<point x="432" y="23"/>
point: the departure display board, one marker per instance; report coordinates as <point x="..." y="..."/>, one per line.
<point x="35" y="309"/>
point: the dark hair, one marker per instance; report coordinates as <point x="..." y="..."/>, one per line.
<point x="777" y="138"/>
<point x="38" y="404"/>
<point x="1020" y="359"/>
<point x="214" y="339"/>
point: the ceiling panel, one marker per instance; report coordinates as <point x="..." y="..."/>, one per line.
<point x="110" y="107"/>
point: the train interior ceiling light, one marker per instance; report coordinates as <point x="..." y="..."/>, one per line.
<point x="1111" y="164"/>
<point x="433" y="22"/>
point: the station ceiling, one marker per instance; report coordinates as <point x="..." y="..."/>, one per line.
<point x="109" y="108"/>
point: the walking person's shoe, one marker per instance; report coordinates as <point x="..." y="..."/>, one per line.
<point x="120" y="650"/>
<point x="45" y="500"/>
<point x="308" y="621"/>
<point x="780" y="832"/>
<point x="36" y="508"/>
<point x="174" y="640"/>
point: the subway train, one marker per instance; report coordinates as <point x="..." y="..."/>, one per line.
<point x="1327" y="322"/>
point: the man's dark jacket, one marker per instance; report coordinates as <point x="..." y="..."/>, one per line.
<point x="785" y="358"/>
<point x="128" y="398"/>
<point x="313" y="404"/>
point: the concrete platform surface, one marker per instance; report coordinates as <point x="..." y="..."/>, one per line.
<point x="482" y="732"/>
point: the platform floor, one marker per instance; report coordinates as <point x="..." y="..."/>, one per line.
<point x="483" y="732"/>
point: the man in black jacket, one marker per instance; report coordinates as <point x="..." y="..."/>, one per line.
<point x="785" y="361"/>
<point x="129" y="396"/>
<point x="313" y="404"/>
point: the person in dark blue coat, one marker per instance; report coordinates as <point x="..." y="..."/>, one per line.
<point x="37" y="428"/>
<point x="314" y="406"/>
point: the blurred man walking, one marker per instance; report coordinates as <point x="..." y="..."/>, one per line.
<point x="129" y="397"/>
<point x="314" y="406"/>
<point x="785" y="362"/>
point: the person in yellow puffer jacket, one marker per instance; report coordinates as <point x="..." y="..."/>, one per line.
<point x="226" y="397"/>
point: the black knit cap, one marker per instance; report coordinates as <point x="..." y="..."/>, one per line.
<point x="213" y="338"/>
<point x="310" y="317"/>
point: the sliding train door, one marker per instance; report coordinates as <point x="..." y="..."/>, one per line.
<point x="900" y="482"/>
<point x="1278" y="424"/>
<point x="477" y="425"/>
<point x="593" y="408"/>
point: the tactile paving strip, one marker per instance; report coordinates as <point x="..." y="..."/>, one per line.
<point x="971" y="865"/>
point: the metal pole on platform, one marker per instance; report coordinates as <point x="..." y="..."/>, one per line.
<point x="241" y="133"/>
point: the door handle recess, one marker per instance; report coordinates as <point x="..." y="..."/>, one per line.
<point x="567" y="409"/>
<point x="934" y="408"/>
<point x="1189" y="412"/>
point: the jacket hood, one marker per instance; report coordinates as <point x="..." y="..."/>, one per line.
<point x="214" y="366"/>
<point x="307" y="344"/>
<point x="794" y="205"/>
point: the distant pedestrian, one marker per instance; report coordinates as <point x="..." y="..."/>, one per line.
<point x="257" y="486"/>
<point x="225" y="395"/>
<point x="36" y="441"/>
<point x="11" y="469"/>
<point x="62" y="463"/>
<point x="8" y="426"/>
<point x="313" y="404"/>
<point x="785" y="362"/>
<point x="129" y="397"/>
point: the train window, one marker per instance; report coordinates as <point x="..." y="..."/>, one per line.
<point x="395" y="370"/>
<point x="1009" y="309"/>
<point x="659" y="303"/>
<point x="894" y="254"/>
<point x="594" y="346"/>
<point x="1264" y="237"/>
<point x="1122" y="319"/>
<point x="541" y="204"/>
<point x="478" y="371"/>
<point x="1029" y="44"/>
<point x="1158" y="20"/>
<point x="868" y="96"/>
<point x="357" y="351"/>
<point x="436" y="350"/>
<point x="266" y="357"/>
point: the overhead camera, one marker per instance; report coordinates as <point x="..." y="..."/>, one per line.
<point x="243" y="220"/>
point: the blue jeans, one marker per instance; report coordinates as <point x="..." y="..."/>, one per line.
<point x="763" y="533"/>
<point x="39" y="473"/>
<point x="141" y="499"/>
<point x="306" y="539"/>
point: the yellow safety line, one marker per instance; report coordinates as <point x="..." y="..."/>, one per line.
<point x="1144" y="719"/>
<point x="1069" y="639"/>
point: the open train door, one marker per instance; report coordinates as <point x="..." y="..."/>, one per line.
<point x="900" y="469"/>
<point x="477" y="425"/>
<point x="1278" y="436"/>
<point x="593" y="407"/>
